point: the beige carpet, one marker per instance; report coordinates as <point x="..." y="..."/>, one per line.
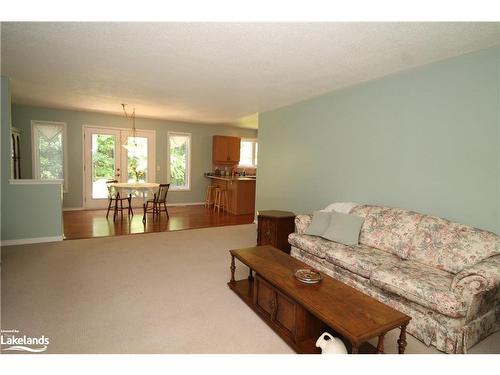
<point x="148" y="293"/>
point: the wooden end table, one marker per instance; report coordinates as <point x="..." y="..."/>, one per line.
<point x="273" y="228"/>
<point x="300" y="312"/>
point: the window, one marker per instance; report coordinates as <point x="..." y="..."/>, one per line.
<point x="179" y="159"/>
<point x="48" y="142"/>
<point x="248" y="153"/>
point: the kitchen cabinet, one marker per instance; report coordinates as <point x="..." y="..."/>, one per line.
<point x="225" y="149"/>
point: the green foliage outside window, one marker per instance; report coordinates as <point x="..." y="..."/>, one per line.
<point x="103" y="157"/>
<point x="178" y="165"/>
<point x="50" y="156"/>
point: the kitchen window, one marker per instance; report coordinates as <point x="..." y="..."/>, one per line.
<point x="179" y="161"/>
<point x="48" y="146"/>
<point x="248" y="153"/>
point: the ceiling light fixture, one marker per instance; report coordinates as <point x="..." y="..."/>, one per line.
<point x="130" y="147"/>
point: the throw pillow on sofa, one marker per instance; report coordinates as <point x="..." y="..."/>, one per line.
<point x="344" y="228"/>
<point x="343" y="207"/>
<point x="320" y="221"/>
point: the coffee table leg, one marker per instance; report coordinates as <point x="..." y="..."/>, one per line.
<point x="233" y="268"/>
<point x="250" y="275"/>
<point x="380" y="345"/>
<point x="402" y="340"/>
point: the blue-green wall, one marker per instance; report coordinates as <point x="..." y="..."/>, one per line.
<point x="426" y="139"/>
<point x="201" y="146"/>
<point x="27" y="211"/>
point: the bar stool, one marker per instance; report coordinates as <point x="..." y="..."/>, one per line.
<point x="210" y="197"/>
<point x="220" y="199"/>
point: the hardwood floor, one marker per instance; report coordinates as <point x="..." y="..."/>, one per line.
<point x="93" y="223"/>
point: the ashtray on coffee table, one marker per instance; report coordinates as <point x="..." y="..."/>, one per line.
<point x="308" y="275"/>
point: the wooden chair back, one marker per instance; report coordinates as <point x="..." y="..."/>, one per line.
<point x="111" y="190"/>
<point x="161" y="196"/>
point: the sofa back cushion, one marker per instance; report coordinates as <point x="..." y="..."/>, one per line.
<point x="388" y="229"/>
<point x="343" y="228"/>
<point x="319" y="224"/>
<point x="302" y="222"/>
<point x="451" y="246"/>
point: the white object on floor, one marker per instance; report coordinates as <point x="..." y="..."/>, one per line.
<point x="342" y="207"/>
<point x="332" y="345"/>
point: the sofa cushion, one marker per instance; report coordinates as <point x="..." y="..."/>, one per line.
<point x="451" y="246"/>
<point x="361" y="210"/>
<point x="343" y="228"/>
<point x="388" y="229"/>
<point x="314" y="245"/>
<point x="319" y="224"/>
<point x="359" y="259"/>
<point x="302" y="222"/>
<point x="427" y="286"/>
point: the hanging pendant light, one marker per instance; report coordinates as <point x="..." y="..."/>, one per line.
<point x="130" y="147"/>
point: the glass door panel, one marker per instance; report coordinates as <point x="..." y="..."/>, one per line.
<point x="137" y="159"/>
<point x="112" y="154"/>
<point x="103" y="163"/>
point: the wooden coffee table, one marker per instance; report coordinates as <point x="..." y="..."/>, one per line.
<point x="301" y="312"/>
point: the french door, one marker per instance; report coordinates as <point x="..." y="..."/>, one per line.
<point x="106" y="158"/>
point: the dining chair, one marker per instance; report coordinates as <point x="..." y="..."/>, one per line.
<point x="114" y="196"/>
<point x="158" y="203"/>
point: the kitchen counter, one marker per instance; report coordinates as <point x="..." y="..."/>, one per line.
<point x="240" y="193"/>
<point x="235" y="178"/>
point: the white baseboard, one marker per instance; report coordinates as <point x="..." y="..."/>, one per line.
<point x="24" y="241"/>
<point x="73" y="208"/>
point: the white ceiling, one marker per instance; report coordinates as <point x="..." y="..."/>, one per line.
<point x="215" y="72"/>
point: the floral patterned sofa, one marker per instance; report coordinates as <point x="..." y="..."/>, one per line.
<point x="443" y="274"/>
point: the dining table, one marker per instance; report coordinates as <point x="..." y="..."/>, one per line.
<point x="142" y="190"/>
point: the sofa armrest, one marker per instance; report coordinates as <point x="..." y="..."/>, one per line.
<point x="302" y="222"/>
<point x="479" y="278"/>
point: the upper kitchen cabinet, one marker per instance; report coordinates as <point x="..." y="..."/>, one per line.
<point x="226" y="150"/>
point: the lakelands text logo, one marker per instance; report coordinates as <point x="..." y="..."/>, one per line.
<point x="13" y="340"/>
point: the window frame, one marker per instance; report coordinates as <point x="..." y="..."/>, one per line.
<point x="254" y="142"/>
<point x="189" y="136"/>
<point x="35" y="151"/>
